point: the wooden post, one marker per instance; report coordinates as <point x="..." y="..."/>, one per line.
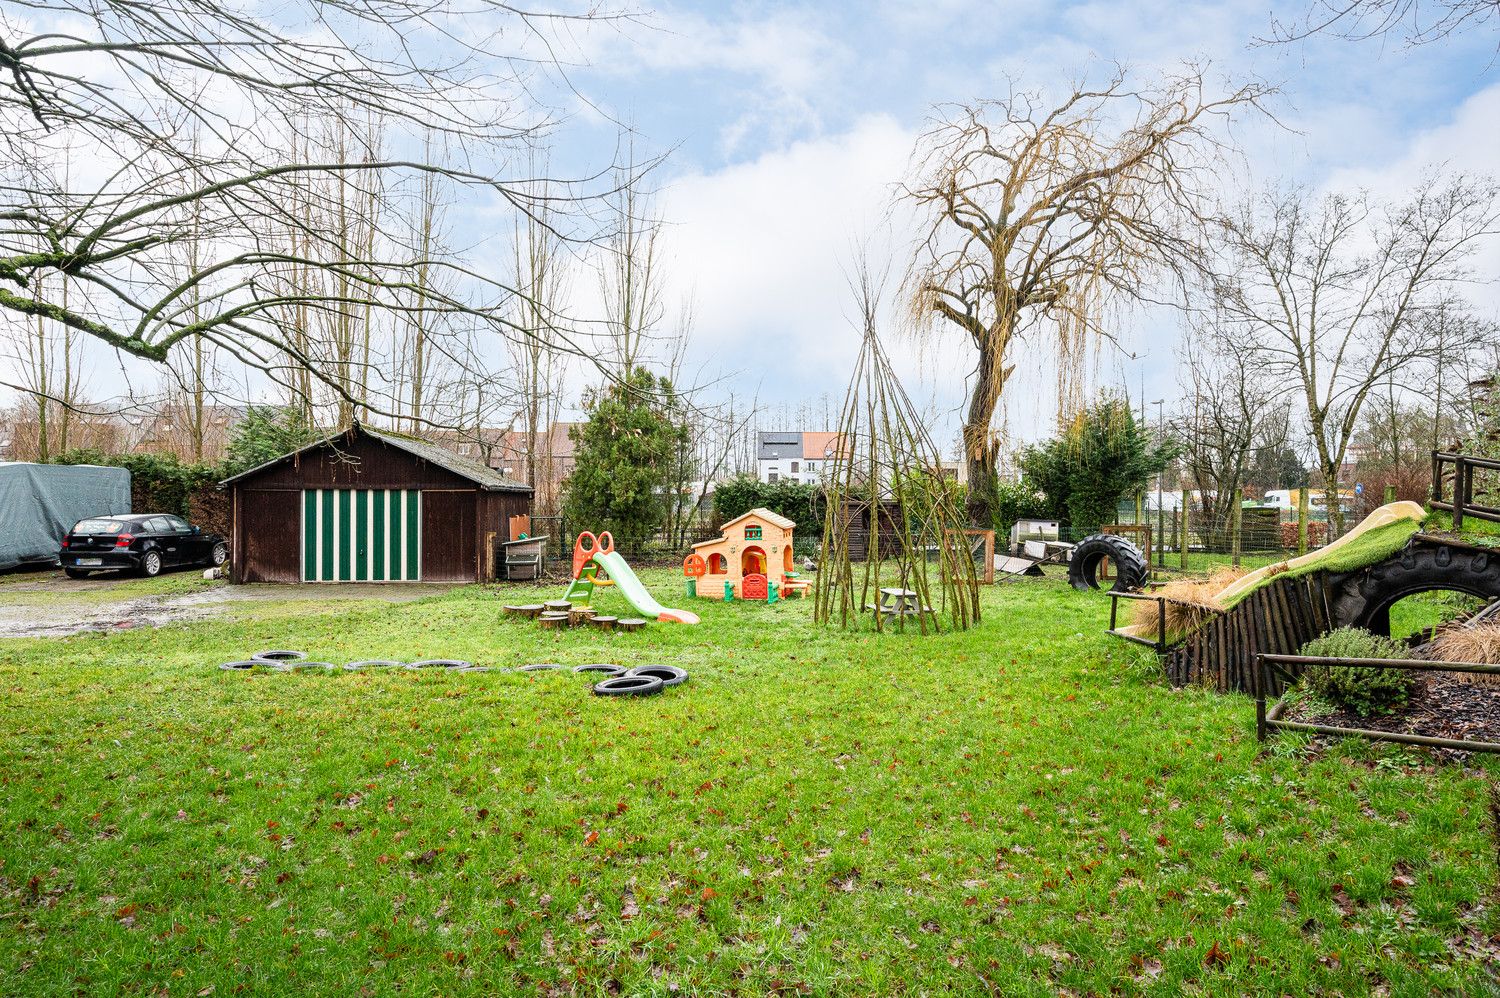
<point x="1301" y="521"/>
<point x="1140" y="507"/>
<point x="1458" y="492"/>
<point x="1182" y="551"/>
<point x="1236" y="513"/>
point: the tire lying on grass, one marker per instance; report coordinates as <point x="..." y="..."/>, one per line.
<point x="628" y="686"/>
<point x="608" y="670"/>
<point x="541" y="667"/>
<point x="485" y="668"/>
<point x="1131" y="570"/>
<point x="279" y="655"/>
<point x="441" y="663"/>
<point x="246" y="664"/>
<point x="670" y="675"/>
<point x="374" y="663"/>
<point x="305" y="667"/>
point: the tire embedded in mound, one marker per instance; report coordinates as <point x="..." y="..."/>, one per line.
<point x="670" y="675"/>
<point x="440" y="663"/>
<point x="304" y="666"/>
<point x="279" y="655"/>
<point x="374" y="663"/>
<point x="608" y="670"/>
<point x="541" y="667"/>
<point x="628" y="686"/>
<point x="251" y="663"/>
<point x="1131" y="570"/>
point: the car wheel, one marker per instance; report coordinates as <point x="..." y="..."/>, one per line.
<point x="220" y="555"/>
<point x="76" y="573"/>
<point x="151" y="564"/>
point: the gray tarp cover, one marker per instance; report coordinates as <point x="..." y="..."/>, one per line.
<point x="39" y="502"/>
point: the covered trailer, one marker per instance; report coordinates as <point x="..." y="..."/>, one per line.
<point x="41" y="502"/>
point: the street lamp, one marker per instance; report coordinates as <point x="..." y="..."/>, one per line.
<point x="1161" y="437"/>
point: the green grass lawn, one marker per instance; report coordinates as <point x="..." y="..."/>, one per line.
<point x="1021" y="809"/>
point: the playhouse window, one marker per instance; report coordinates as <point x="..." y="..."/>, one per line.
<point x="717" y="565"/>
<point x="752" y="533"/>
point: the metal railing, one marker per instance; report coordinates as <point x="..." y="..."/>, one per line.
<point x="1276" y="672"/>
<point x="1462" y="504"/>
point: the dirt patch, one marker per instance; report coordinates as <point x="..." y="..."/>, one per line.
<point x="53" y="606"/>
<point x="1440" y="706"/>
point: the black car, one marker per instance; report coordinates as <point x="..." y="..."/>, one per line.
<point x="142" y="542"/>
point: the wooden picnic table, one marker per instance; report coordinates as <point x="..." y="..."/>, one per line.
<point x="903" y="602"/>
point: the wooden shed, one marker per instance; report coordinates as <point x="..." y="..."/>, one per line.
<point x="367" y="505"/>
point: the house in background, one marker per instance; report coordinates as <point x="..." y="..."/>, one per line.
<point x="505" y="451"/>
<point x="794" y="456"/>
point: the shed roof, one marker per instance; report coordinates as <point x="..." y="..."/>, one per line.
<point x="482" y="475"/>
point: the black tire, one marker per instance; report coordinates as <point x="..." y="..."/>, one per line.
<point x="245" y="665"/>
<point x="1364" y="599"/>
<point x="306" y="667"/>
<point x="669" y="675"/>
<point x="440" y="663"/>
<point x="150" y="565"/>
<point x="485" y="668"/>
<point x="219" y="555"/>
<point x="274" y="655"/>
<point x="628" y="686"/>
<point x="608" y="670"/>
<point x="541" y="667"/>
<point x="76" y="573"/>
<point x="374" y="663"/>
<point x="1131" y="570"/>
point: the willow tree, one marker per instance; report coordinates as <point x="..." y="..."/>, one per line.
<point x="1044" y="214"/>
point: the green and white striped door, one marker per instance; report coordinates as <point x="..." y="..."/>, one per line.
<point x="361" y="535"/>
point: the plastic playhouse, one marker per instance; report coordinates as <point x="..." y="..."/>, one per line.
<point x="595" y="555"/>
<point x="751" y="560"/>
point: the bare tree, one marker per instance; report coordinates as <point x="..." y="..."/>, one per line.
<point x="630" y="275"/>
<point x="1420" y="22"/>
<point x="1331" y="293"/>
<point x="1229" y="405"/>
<point x="132" y="82"/>
<point x="1044" y="214"/>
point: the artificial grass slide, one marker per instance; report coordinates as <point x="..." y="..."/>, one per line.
<point x="1379" y="536"/>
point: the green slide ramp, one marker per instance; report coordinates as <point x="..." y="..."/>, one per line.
<point x="635" y="594"/>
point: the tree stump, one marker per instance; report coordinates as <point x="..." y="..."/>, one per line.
<point x="558" y="606"/>
<point x="580" y="615"/>
<point x="553" y="621"/>
<point x="524" y="610"/>
<point x="630" y="624"/>
<point x="604" y="623"/>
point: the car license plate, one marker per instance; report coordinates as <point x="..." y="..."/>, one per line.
<point x="90" y="561"/>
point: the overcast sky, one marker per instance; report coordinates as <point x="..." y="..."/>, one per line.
<point x="789" y="122"/>
<point x="787" y="125"/>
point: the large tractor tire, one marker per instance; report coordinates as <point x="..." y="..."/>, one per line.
<point x="1131" y="570"/>
<point x="1364" y="598"/>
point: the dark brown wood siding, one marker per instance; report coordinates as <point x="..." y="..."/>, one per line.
<point x="448" y="550"/>
<point x="359" y="463"/>
<point x="267" y="546"/>
<point x="457" y="516"/>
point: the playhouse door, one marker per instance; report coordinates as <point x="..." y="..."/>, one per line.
<point x="754" y="587"/>
<point x="753" y="561"/>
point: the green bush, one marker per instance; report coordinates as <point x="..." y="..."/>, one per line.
<point x="797" y="501"/>
<point x="1364" y="691"/>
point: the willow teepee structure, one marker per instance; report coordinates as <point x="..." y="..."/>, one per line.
<point x="892" y="521"/>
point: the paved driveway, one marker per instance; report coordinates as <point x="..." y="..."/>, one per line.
<point x="49" y="604"/>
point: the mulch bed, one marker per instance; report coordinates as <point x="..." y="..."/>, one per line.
<point x="1440" y="706"/>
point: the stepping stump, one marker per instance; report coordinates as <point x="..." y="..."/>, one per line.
<point x="580" y="615"/>
<point x="630" y="624"/>
<point x="604" y="623"/>
<point x="558" y="606"/>
<point x="553" y="621"/>
<point x="525" y="610"/>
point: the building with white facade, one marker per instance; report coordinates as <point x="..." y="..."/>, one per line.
<point x="788" y="455"/>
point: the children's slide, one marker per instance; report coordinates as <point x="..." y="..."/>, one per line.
<point x="591" y="554"/>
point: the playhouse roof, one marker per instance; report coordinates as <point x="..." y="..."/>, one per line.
<point x="760" y="512"/>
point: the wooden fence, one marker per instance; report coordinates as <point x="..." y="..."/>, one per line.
<point x="1462" y="504"/>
